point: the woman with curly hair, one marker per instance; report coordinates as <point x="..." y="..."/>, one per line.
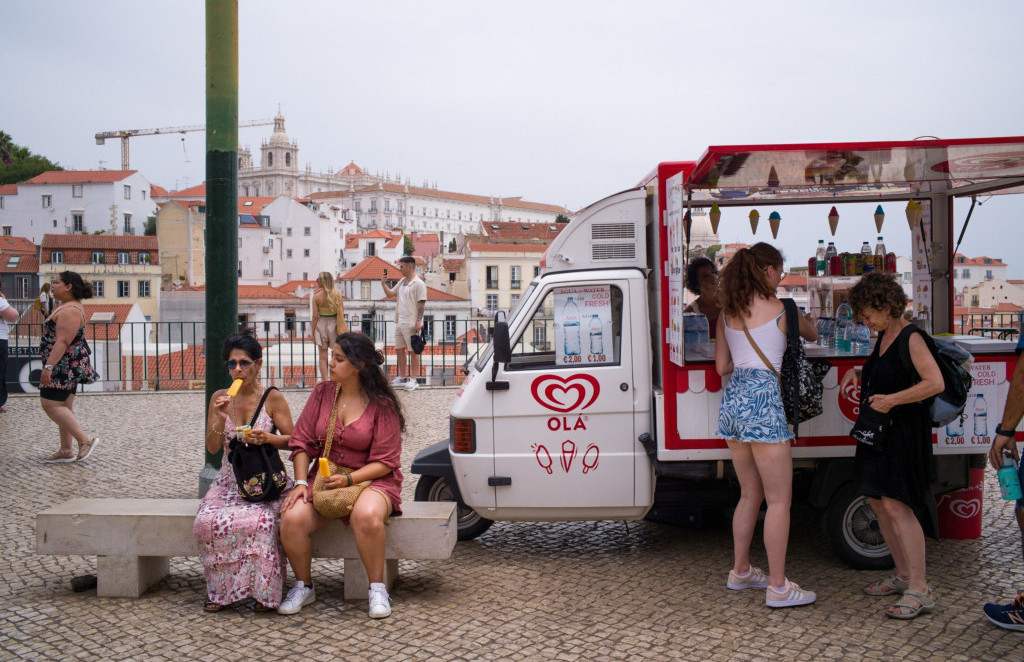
<point x="895" y="474"/>
<point x="368" y="439"/>
<point x="702" y="280"/>
<point x="752" y="419"/>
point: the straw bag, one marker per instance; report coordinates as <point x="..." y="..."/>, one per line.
<point x="335" y="502"/>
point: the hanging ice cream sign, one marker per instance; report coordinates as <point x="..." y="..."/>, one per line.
<point x="564" y="395"/>
<point x="583" y="325"/>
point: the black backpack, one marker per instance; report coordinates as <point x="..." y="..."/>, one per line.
<point x="259" y="471"/>
<point x="954" y="363"/>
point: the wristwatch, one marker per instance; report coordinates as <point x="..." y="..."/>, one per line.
<point x="48" y="367"/>
<point x="1005" y="433"/>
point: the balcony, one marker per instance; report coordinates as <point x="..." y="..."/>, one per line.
<point x="492" y="284"/>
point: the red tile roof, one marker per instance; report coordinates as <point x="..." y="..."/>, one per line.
<point x="293" y="285"/>
<point x="197" y="191"/>
<point x="372" y="268"/>
<point x="80" y="176"/>
<point x="793" y="280"/>
<point x="486" y="247"/>
<point x="515" y="203"/>
<point x="512" y="231"/>
<point x="352" y="240"/>
<point x="12" y="244"/>
<point x="253" y="205"/>
<point x="98" y="241"/>
<point x="962" y="260"/>
<point x="8" y="189"/>
<point x="156" y="190"/>
<point x="452" y="263"/>
<point x="254" y="292"/>
<point x="184" y="204"/>
<point x="97" y="328"/>
<point x="28" y="263"/>
<point x="434" y="294"/>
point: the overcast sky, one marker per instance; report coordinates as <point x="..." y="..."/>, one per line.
<point x="558" y="102"/>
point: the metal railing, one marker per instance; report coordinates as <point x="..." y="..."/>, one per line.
<point x="153" y="356"/>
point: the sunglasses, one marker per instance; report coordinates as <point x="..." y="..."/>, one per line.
<point x="243" y="364"/>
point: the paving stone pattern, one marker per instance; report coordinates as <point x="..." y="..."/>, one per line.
<point x="522" y="591"/>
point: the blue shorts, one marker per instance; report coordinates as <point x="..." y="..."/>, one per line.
<point x="752" y="408"/>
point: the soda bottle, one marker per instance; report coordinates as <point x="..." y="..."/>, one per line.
<point x="1009" y="478"/>
<point x="597" y="335"/>
<point x="890" y="263"/>
<point x="820" y="260"/>
<point x="571" y="327"/>
<point x="980" y="416"/>
<point x="879" y="247"/>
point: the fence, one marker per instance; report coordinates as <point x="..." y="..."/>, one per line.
<point x="137" y="356"/>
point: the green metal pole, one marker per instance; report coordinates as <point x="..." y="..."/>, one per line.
<point x="221" y="193"/>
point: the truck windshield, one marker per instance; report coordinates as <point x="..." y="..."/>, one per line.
<point x="485" y="355"/>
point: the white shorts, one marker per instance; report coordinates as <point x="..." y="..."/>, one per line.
<point x="403" y="335"/>
<point x="325" y="332"/>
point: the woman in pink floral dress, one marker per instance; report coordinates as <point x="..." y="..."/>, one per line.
<point x="238" y="541"/>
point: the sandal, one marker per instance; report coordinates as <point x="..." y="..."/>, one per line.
<point x="260" y="608"/>
<point x="85" y="450"/>
<point x="907" y="610"/>
<point x="889" y="586"/>
<point x="211" y="606"/>
<point x="61" y="456"/>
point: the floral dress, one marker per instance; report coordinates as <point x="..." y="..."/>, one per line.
<point x="239" y="542"/>
<point x="74" y="367"/>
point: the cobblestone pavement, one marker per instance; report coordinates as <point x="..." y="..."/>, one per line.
<point x="522" y="591"/>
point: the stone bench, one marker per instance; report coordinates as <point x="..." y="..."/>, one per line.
<point x="134" y="538"/>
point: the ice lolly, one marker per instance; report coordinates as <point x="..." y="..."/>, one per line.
<point x="233" y="389"/>
<point x="325" y="470"/>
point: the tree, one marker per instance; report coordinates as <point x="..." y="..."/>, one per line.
<point x="711" y="250"/>
<point x="561" y="218"/>
<point x="452" y="246"/>
<point x="150" y="226"/>
<point x="17" y="163"/>
<point x="408" y="248"/>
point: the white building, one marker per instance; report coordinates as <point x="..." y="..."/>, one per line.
<point x="388" y="246"/>
<point x="77" y="202"/>
<point x="991" y="293"/>
<point x="971" y="271"/>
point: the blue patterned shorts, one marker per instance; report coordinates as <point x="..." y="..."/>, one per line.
<point x="752" y="408"/>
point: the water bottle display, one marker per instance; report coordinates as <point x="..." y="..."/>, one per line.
<point x="861" y="342"/>
<point x="1009" y="479"/>
<point x="980" y="416"/>
<point x="956" y="427"/>
<point x="571" y="327"/>
<point x="596" y="335"/>
<point x="844" y="327"/>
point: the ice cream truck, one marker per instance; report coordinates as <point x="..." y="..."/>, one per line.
<point x="593" y="402"/>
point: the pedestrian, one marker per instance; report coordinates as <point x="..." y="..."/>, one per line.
<point x="66" y="364"/>
<point x="411" y="299"/>
<point x="1010" y="616"/>
<point x="328" y="318"/>
<point x="896" y="471"/>
<point x="367" y="441"/>
<point x="752" y="334"/>
<point x="8" y="315"/>
<point x="44" y="303"/>
<point x="239" y="542"/>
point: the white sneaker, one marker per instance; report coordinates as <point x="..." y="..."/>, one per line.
<point x="411" y="385"/>
<point x="297" y="598"/>
<point x="755" y="578"/>
<point x="380" y="602"/>
<point x="791" y="596"/>
<point x="398" y="381"/>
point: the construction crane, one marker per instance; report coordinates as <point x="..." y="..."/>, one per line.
<point x="125" y="134"/>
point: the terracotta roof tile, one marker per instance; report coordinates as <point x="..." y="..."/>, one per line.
<point x="515" y="203"/>
<point x="99" y="241"/>
<point x="253" y="292"/>
<point x="13" y="244"/>
<point x="80" y="176"/>
<point x="199" y="190"/>
<point x="487" y="247"/>
<point x="977" y="261"/>
<point x="434" y="294"/>
<point x="155" y="190"/>
<point x="25" y="263"/>
<point x="103" y="327"/>
<point x="372" y="268"/>
<point x="452" y="263"/>
<point x="513" y="231"/>
<point x="293" y="285"/>
<point x="8" y="189"/>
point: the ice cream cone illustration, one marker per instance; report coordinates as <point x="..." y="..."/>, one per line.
<point x="754" y="217"/>
<point x="879" y="218"/>
<point x="833" y="220"/>
<point x="773" y="220"/>
<point x="715" y="215"/>
<point x="568" y="454"/>
<point x="914" y="213"/>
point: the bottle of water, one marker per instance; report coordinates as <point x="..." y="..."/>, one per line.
<point x="861" y="343"/>
<point x="571" y="327"/>
<point x="844" y="327"/>
<point x="820" y="261"/>
<point x="980" y="416"/>
<point x="880" y="248"/>
<point x="956" y="426"/>
<point x="1009" y="478"/>
<point x="820" y="326"/>
<point x="829" y="333"/>
<point x="597" y="335"/>
<point x="830" y="251"/>
<point x="865" y="248"/>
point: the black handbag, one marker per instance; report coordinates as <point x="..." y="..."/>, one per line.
<point x="801" y="377"/>
<point x="871" y="426"/>
<point x="259" y="471"/>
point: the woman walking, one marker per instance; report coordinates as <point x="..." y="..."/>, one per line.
<point x="66" y="364"/>
<point x="328" y="318"/>
<point x="752" y="335"/>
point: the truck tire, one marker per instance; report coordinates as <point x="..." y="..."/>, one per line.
<point x="470" y="523"/>
<point x="852" y="530"/>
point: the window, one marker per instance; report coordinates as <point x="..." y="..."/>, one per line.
<point x="371" y="248"/>
<point x="288" y="232"/>
<point x="988" y="274"/>
<point x="56" y="257"/>
<point x="127" y="192"/>
<point x="21" y="287"/>
<point x="387" y="205"/>
<point x="514" y="301"/>
<point x="492" y="278"/>
<point x="13" y="261"/>
<point x="305" y="252"/>
<point x="289" y="320"/>
<point x="287" y="158"/>
<point x="359" y="205"/>
<point x="306" y="231"/>
<point x="78" y="221"/>
<point x="516" y="277"/>
<point x="305" y="275"/>
<point x="428" y="327"/>
<point x="47" y="201"/>
<point x="492" y="303"/>
<point x="97" y="288"/>
<point x="967" y="273"/>
<point x="128" y="224"/>
<point x="364" y="289"/>
<point x="288" y="253"/>
<point x="7" y="230"/>
<point x="143" y="288"/>
<point x="270" y="159"/>
<point x="124" y="289"/>
<point x="536" y="271"/>
<point x="373" y="206"/>
<point x="76" y="190"/>
<point x="97" y="257"/>
<point x="449" y="327"/>
<point x="239" y="268"/>
<point x="144" y="258"/>
<point x="122" y="257"/>
<point x="143" y="192"/>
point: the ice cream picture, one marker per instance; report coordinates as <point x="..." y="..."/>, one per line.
<point x="754" y="217"/>
<point x="774" y="219"/>
<point x="833" y="220"/>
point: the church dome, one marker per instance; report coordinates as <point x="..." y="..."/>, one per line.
<point x="279" y="137"/>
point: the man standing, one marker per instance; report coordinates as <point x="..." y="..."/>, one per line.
<point x="1010" y="616"/>
<point x="8" y="313"/>
<point x="411" y="296"/>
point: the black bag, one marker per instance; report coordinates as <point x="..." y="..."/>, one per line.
<point x="417" y="343"/>
<point x="259" y="471"/>
<point x="871" y="426"/>
<point x="954" y="363"/>
<point x="800" y="376"/>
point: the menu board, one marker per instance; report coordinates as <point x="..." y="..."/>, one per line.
<point x="976" y="426"/>
<point x="921" y="276"/>
<point x="676" y="240"/>
<point x="583" y="325"/>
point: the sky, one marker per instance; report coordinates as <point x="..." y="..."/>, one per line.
<point x="563" y="102"/>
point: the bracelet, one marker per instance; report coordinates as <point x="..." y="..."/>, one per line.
<point x="349" y="476"/>
<point x="302" y="482"/>
<point x="1005" y="433"/>
<point x="213" y="429"/>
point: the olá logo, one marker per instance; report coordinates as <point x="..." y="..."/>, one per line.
<point x="564" y="395"/>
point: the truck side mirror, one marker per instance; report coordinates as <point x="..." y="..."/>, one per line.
<point x="502" y="347"/>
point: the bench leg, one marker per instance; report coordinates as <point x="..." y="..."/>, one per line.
<point x="356" y="583"/>
<point x="128" y="576"/>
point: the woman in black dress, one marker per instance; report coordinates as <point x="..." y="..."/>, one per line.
<point x="899" y="377"/>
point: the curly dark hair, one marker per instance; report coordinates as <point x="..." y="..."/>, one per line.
<point x="244" y="340"/>
<point x="878" y="291"/>
<point x="367" y="359"/>
<point x="693" y="270"/>
<point x="743" y="277"/>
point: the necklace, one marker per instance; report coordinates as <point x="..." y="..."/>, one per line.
<point x="234" y="413"/>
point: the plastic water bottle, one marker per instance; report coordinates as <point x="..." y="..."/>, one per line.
<point x="820" y="261"/>
<point x="820" y="326"/>
<point x="829" y="332"/>
<point x="880" y="248"/>
<point x="980" y="416"/>
<point x="703" y="330"/>
<point x="844" y="327"/>
<point x="865" y="248"/>
<point x="956" y="426"/>
<point x="1009" y="478"/>
<point x="861" y="342"/>
<point x="571" y="327"/>
<point x="597" y="335"/>
<point x="830" y="251"/>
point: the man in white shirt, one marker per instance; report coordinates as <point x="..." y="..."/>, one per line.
<point x="411" y="295"/>
<point x="7" y="314"/>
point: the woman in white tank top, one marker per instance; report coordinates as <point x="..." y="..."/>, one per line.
<point x="752" y="419"/>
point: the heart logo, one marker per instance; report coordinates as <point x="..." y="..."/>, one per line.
<point x="965" y="508"/>
<point x="564" y="395"/>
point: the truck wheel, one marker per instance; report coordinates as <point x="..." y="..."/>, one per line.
<point x="435" y="488"/>
<point x="853" y="532"/>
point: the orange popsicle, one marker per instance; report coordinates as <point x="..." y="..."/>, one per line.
<point x="233" y="389"/>
<point x="325" y="470"/>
